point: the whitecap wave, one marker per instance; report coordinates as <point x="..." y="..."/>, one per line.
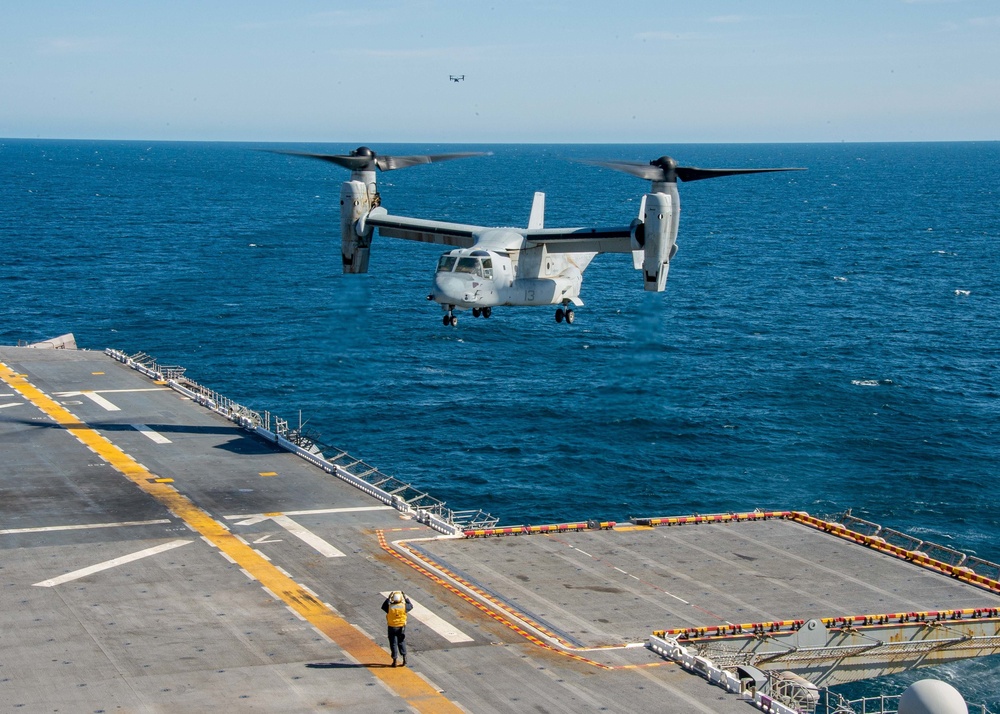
<point x="872" y="382"/>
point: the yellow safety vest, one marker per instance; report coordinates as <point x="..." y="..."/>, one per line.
<point x="396" y="617"/>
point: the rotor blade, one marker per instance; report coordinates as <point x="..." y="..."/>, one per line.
<point x="666" y="169"/>
<point x="388" y="163"/>
<point x="636" y="168"/>
<point x="693" y="173"/>
<point x="354" y="163"/>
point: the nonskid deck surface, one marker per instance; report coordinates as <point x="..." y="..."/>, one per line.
<point x="600" y="588"/>
<point x="125" y="586"/>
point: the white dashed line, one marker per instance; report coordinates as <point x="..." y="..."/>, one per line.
<point x="108" y="564"/>
<point x="150" y="434"/>
<point x="307" y="536"/>
<point x="436" y="623"/>
<point x="100" y="401"/>
<point x="85" y="526"/>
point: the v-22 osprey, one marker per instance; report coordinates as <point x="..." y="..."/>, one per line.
<point x="490" y="267"/>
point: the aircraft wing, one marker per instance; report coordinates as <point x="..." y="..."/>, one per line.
<point x="458" y="235"/>
<point x="583" y="240"/>
<point x="462" y="235"/>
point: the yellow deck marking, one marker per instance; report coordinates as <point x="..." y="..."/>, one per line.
<point x="96" y="373"/>
<point x="268" y="473"/>
<point x="403" y="681"/>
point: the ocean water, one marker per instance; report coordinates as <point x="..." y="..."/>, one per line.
<point x="828" y="339"/>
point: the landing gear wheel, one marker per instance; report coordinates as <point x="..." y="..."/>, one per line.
<point x="446" y="320"/>
<point x="570" y="316"/>
<point x="453" y="320"/>
<point x="559" y="314"/>
<point x="487" y="311"/>
<point x="476" y="312"/>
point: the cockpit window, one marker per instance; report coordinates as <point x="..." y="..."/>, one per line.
<point x="469" y="265"/>
<point x="446" y="263"/>
<point x="488" y="268"/>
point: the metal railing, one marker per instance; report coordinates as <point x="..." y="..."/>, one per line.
<point x="932" y="550"/>
<point x="335" y="458"/>
<point x="778" y="692"/>
<point x="833" y="703"/>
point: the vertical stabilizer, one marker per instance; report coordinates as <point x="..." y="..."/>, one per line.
<point x="537" y="218"/>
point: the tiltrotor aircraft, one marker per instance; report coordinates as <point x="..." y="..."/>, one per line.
<point x="489" y="266"/>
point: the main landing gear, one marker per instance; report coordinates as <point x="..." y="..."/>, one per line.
<point x="568" y="314"/>
<point x="482" y="311"/>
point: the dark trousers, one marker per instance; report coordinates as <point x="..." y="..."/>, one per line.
<point x="397" y="638"/>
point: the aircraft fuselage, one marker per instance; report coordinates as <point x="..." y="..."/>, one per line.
<point x="502" y="269"/>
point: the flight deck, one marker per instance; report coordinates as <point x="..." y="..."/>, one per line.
<point x="160" y="553"/>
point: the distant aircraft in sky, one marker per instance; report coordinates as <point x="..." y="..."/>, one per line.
<point x="456" y="77"/>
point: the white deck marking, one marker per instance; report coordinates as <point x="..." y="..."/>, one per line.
<point x="96" y="397"/>
<point x="12" y="404"/>
<point x="108" y="564"/>
<point x="437" y="623"/>
<point x="151" y="434"/>
<point x="317" y="512"/>
<point x="266" y="539"/>
<point x="100" y="401"/>
<point x="144" y="389"/>
<point x="352" y="509"/>
<point x="85" y="526"/>
<point x="307" y="536"/>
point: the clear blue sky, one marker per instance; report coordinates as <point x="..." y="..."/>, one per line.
<point x="536" y="71"/>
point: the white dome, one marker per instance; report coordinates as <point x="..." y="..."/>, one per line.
<point x="932" y="696"/>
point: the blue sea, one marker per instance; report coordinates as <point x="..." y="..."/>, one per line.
<point x="828" y="339"/>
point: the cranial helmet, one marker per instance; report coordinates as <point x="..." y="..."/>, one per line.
<point x="396" y="597"/>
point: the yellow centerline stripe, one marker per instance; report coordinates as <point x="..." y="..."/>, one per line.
<point x="403" y="681"/>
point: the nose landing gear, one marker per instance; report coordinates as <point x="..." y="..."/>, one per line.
<point x="451" y="319"/>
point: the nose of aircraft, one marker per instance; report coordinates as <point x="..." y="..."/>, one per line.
<point x="450" y="288"/>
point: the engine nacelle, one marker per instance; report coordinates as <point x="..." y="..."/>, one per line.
<point x="357" y="198"/>
<point x="659" y="237"/>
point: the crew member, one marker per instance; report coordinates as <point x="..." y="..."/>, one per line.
<point x="395" y="607"/>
